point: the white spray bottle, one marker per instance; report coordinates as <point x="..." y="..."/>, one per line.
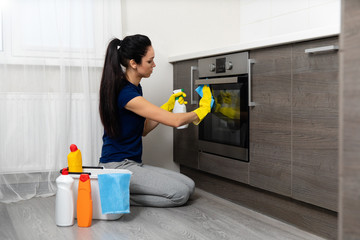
<point x="64" y="207"/>
<point x="179" y="108"/>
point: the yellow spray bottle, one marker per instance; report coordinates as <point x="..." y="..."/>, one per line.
<point x="74" y="159"/>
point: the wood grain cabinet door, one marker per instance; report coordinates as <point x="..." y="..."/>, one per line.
<point x="186" y="140"/>
<point x="315" y="90"/>
<point x="270" y="120"/>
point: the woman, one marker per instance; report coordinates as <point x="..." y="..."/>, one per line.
<point x="127" y="116"/>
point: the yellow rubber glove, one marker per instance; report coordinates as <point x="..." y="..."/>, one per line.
<point x="169" y="105"/>
<point x="204" y="105"/>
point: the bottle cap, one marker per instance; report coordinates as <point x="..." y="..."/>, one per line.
<point x="84" y="177"/>
<point x="73" y="148"/>
<point x="65" y="171"/>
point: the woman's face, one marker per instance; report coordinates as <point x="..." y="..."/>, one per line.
<point x="147" y="64"/>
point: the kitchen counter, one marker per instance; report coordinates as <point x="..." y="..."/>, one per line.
<point x="282" y="39"/>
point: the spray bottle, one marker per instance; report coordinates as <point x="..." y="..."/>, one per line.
<point x="84" y="207"/>
<point x="179" y="108"/>
<point x="74" y="159"/>
<point x="64" y="205"/>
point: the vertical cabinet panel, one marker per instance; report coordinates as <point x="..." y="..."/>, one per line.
<point x="349" y="217"/>
<point x="186" y="140"/>
<point x="270" y="120"/>
<point x="315" y="124"/>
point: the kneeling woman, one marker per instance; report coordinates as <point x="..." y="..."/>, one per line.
<point x="127" y="116"/>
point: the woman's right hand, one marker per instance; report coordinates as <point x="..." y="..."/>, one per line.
<point x="204" y="104"/>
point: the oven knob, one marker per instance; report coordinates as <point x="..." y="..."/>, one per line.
<point x="212" y="67"/>
<point x="229" y="65"/>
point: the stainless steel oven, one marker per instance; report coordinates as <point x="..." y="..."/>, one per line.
<point x="225" y="131"/>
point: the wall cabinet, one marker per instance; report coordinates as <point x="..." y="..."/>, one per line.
<point x="186" y="140"/>
<point x="294" y="125"/>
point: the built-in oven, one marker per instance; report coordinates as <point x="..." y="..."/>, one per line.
<point x="224" y="132"/>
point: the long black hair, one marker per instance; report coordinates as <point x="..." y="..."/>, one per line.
<point x="114" y="79"/>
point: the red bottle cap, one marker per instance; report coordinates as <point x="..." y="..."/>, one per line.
<point x="84" y="177"/>
<point x="73" y="148"/>
<point x="65" y="171"/>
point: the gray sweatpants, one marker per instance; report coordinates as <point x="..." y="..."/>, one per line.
<point x="154" y="186"/>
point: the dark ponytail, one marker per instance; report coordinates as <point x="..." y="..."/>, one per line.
<point x="113" y="77"/>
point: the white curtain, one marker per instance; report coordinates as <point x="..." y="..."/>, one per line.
<point x="51" y="59"/>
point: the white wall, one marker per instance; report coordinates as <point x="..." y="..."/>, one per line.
<point x="260" y="19"/>
<point x="180" y="27"/>
<point x="175" y="27"/>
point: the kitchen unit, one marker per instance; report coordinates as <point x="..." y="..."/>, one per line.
<point x="294" y="127"/>
<point x="293" y="135"/>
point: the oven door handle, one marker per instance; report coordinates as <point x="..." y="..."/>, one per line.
<point x="193" y="68"/>
<point x="250" y="61"/>
<point x="222" y="80"/>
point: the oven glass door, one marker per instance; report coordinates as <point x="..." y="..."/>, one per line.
<point x="228" y="122"/>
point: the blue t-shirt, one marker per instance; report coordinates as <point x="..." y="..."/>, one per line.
<point x="129" y="144"/>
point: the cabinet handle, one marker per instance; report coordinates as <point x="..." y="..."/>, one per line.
<point x="250" y="61"/>
<point x="193" y="68"/>
<point x="322" y="49"/>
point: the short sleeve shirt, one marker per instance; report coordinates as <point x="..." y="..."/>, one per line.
<point x="128" y="145"/>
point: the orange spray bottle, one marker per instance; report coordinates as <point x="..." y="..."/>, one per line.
<point x="84" y="202"/>
<point x="74" y="159"/>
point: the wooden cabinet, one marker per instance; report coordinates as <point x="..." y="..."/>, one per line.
<point x="186" y="140"/>
<point x="270" y="120"/>
<point x="315" y="117"/>
<point x="294" y="125"/>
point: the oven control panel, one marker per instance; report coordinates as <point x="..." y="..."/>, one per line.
<point x="225" y="65"/>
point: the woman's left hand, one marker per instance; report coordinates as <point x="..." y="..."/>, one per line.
<point x="169" y="105"/>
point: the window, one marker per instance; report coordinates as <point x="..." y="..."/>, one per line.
<point x="46" y="29"/>
<point x="54" y="25"/>
<point x="48" y="26"/>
